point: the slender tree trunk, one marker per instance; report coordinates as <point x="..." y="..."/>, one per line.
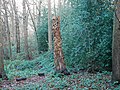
<point x="2" y="72"/>
<point x="116" y="45"/>
<point x="25" y="25"/>
<point x="54" y="8"/>
<point x="17" y="28"/>
<point x="49" y="26"/>
<point x="58" y="53"/>
<point x="59" y="7"/>
<point x="12" y="23"/>
<point x="5" y="40"/>
<point x="8" y="29"/>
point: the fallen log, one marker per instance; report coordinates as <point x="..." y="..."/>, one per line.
<point x="41" y="74"/>
<point x="20" y="79"/>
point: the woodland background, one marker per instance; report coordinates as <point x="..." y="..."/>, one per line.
<point x="86" y="28"/>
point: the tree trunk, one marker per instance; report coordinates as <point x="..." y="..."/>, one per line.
<point x="54" y="8"/>
<point x="2" y="72"/>
<point x="17" y="28"/>
<point x="58" y="53"/>
<point x="7" y="27"/>
<point x="25" y="25"/>
<point x="49" y="26"/>
<point x="12" y="23"/>
<point x="116" y="45"/>
<point x="5" y="40"/>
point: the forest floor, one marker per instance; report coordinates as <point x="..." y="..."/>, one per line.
<point x="80" y="80"/>
<point x="75" y="81"/>
<point x="13" y="84"/>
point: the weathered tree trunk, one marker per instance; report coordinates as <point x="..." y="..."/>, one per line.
<point x="7" y="27"/>
<point x="116" y="45"/>
<point x="17" y="28"/>
<point x="12" y="23"/>
<point x="25" y="25"/>
<point x="2" y="72"/>
<point x="58" y="53"/>
<point x="5" y="41"/>
<point x="49" y="26"/>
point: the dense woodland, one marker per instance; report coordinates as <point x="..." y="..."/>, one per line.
<point x="59" y="44"/>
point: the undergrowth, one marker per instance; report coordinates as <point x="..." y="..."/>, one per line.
<point x="56" y="81"/>
<point x="26" y="68"/>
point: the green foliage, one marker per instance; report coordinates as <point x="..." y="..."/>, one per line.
<point x="24" y="68"/>
<point x="42" y="32"/>
<point x="86" y="29"/>
<point x="82" y="80"/>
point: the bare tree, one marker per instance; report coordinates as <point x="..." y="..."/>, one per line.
<point x="49" y="26"/>
<point x="7" y="27"/>
<point x="25" y="25"/>
<point x="17" y="30"/>
<point x="2" y="72"/>
<point x="5" y="39"/>
<point x="34" y="24"/>
<point x="12" y="16"/>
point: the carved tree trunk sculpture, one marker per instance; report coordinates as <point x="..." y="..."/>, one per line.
<point x="58" y="53"/>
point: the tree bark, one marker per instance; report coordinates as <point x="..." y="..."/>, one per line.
<point x="25" y="25"/>
<point x="7" y="27"/>
<point x="5" y="40"/>
<point x="17" y="31"/>
<point x="116" y="45"/>
<point x="12" y="23"/>
<point x="58" y="53"/>
<point x="2" y="72"/>
<point x="49" y="26"/>
<point x="17" y="28"/>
